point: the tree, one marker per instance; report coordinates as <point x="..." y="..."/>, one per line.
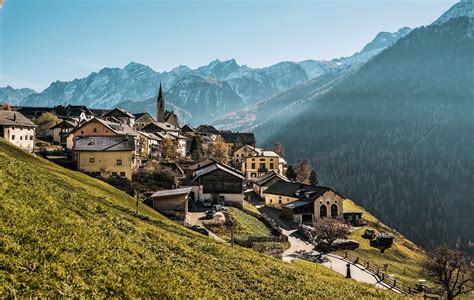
<point x="219" y="151"/>
<point x="46" y="121"/>
<point x="278" y="149"/>
<point x="6" y="106"/>
<point x="303" y="171"/>
<point x="290" y="173"/>
<point x="329" y="230"/>
<point x="196" y="149"/>
<point x="452" y="269"/>
<point x="168" y="149"/>
<point x="313" y="178"/>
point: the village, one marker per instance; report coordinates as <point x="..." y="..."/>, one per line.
<point x="215" y="182"/>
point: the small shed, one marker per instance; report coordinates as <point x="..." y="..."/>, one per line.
<point x="353" y="217"/>
<point x="172" y="203"/>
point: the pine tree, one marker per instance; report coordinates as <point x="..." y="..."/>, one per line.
<point x="290" y="173"/>
<point x="313" y="178"/>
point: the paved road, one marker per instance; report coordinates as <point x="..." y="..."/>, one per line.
<point x="298" y="245"/>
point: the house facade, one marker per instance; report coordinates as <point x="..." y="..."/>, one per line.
<point x="60" y="131"/>
<point x="142" y="120"/>
<point x="304" y="203"/>
<point x="243" y="152"/>
<point x="219" y="183"/>
<point x="235" y="140"/>
<point x="260" y="164"/>
<point x="17" y="130"/>
<point x="263" y="183"/>
<point x="122" y="116"/>
<point x="105" y="156"/>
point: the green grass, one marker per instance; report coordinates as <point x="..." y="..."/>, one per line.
<point x="403" y="258"/>
<point x="249" y="207"/>
<point x="246" y="225"/>
<point x="64" y="233"/>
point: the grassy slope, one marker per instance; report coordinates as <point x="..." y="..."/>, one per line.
<point x="403" y="258"/>
<point x="246" y="225"/>
<point x="63" y="232"/>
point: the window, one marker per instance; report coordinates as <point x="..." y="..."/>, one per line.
<point x="279" y="201"/>
<point x="21" y="138"/>
<point x="13" y="137"/>
<point x="271" y="200"/>
<point x="114" y="174"/>
<point x="31" y="137"/>
<point x="118" y="162"/>
<point x="92" y="160"/>
<point x="253" y="165"/>
<point x="272" y="166"/>
<point x="262" y="159"/>
<point x="122" y="174"/>
<point x="253" y="175"/>
<point x="82" y="131"/>
<point x="95" y="129"/>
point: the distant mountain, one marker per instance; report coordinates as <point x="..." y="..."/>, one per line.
<point x="465" y="8"/>
<point x="226" y="86"/>
<point x="284" y="106"/>
<point x="397" y="134"/>
<point x="201" y="96"/>
<point x="14" y="96"/>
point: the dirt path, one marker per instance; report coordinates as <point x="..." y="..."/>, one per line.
<point x="196" y="218"/>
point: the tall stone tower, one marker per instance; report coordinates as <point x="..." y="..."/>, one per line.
<point x="160" y="107"/>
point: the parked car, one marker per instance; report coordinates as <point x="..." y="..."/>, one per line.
<point x="200" y="229"/>
<point x="218" y="207"/>
<point x="206" y="203"/>
<point x="210" y="214"/>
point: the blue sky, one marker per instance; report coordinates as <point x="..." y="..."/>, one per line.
<point x="46" y="40"/>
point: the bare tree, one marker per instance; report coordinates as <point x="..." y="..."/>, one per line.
<point x="278" y="149"/>
<point x="329" y="230"/>
<point x="313" y="178"/>
<point x="452" y="269"/>
<point x="219" y="151"/>
<point x="303" y="171"/>
<point x="168" y="149"/>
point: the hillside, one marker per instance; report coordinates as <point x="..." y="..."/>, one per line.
<point x="397" y="135"/>
<point x="404" y="259"/>
<point x="64" y="233"/>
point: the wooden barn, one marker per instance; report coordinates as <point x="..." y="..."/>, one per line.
<point x="172" y="203"/>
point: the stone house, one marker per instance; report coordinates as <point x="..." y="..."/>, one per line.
<point x="304" y="203"/>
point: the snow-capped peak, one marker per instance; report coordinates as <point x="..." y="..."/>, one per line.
<point x="465" y="8"/>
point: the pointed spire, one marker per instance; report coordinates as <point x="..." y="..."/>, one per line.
<point x="160" y="106"/>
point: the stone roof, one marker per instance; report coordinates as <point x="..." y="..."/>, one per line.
<point x="104" y="143"/>
<point x="166" y="193"/>
<point x="215" y="166"/>
<point x="14" y="118"/>
<point x="296" y="190"/>
<point x="269" y="176"/>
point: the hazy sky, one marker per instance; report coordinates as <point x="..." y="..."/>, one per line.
<point x="46" y="40"/>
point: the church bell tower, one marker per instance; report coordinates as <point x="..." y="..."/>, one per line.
<point x="160" y="106"/>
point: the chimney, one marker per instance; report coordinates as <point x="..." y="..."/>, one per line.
<point x="14" y="116"/>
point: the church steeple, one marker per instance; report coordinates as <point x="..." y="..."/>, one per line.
<point x="160" y="106"/>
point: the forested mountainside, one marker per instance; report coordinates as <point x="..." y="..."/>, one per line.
<point x="398" y="135"/>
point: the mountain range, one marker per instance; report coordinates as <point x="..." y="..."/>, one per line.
<point x="14" y="96"/>
<point x="396" y="133"/>
<point x="197" y="95"/>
